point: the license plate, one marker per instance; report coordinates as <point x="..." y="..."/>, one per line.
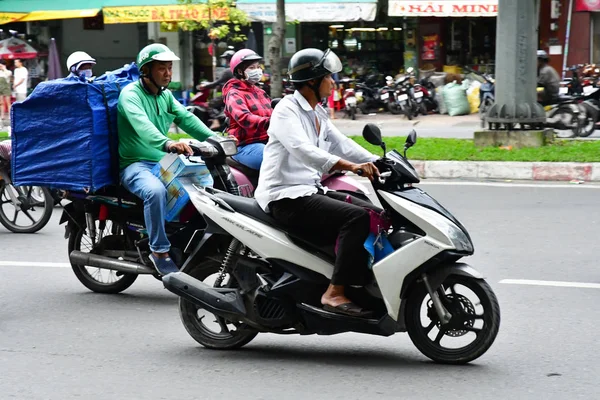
<point x="589" y="89"/>
<point x="358" y="94"/>
<point x="418" y="95"/>
<point x="403" y="97"/>
<point x="563" y="90"/>
<point x="385" y="96"/>
<point x="351" y="100"/>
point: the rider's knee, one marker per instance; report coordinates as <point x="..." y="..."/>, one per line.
<point x="155" y="190"/>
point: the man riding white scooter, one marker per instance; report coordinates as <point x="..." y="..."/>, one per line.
<point x="303" y="145"/>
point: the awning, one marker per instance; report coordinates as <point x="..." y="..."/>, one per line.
<point x="12" y="48"/>
<point x="121" y="15"/>
<point x="587" y="5"/>
<point x="5" y="18"/>
<point x="311" y="11"/>
<point x="443" y="8"/>
<point x="66" y="14"/>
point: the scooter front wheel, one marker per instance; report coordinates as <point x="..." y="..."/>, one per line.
<point x="209" y="330"/>
<point x="471" y="330"/>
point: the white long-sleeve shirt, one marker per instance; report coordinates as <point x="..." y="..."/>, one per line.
<point x="296" y="156"/>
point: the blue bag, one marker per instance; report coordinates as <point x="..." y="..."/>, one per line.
<point x="64" y="135"/>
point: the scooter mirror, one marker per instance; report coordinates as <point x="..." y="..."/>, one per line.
<point x="372" y="134"/>
<point x="411" y="139"/>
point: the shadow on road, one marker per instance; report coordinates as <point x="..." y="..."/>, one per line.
<point x="335" y="356"/>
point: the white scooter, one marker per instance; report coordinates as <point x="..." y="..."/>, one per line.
<point x="249" y="274"/>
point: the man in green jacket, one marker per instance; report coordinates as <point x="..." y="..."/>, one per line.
<point x="146" y="112"/>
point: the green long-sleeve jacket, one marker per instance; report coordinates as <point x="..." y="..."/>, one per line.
<point x="144" y="120"/>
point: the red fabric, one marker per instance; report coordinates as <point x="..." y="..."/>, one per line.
<point x="249" y="111"/>
<point x="587" y="5"/>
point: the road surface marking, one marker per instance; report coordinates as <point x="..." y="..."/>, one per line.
<point x="551" y="283"/>
<point x="34" y="264"/>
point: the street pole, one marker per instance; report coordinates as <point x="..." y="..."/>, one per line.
<point x="516" y="106"/>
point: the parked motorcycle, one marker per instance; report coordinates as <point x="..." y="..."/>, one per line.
<point x="349" y="98"/>
<point x="253" y="275"/>
<point x="211" y="112"/>
<point x="23" y="209"/>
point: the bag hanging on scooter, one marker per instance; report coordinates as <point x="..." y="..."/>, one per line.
<point x="377" y="244"/>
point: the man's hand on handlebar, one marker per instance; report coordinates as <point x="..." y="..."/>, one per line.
<point x="368" y="170"/>
<point x="181" y="148"/>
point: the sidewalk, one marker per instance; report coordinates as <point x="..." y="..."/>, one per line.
<point x="532" y="171"/>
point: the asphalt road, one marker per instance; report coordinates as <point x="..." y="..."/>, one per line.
<point x="60" y="341"/>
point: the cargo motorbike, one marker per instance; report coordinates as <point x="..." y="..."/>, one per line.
<point x="108" y="244"/>
<point x="249" y="274"/>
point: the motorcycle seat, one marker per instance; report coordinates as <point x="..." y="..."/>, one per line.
<point x="251" y="174"/>
<point x="250" y="208"/>
<point x="115" y="191"/>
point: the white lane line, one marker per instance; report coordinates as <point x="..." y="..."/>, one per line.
<point x="34" y="264"/>
<point x="551" y="283"/>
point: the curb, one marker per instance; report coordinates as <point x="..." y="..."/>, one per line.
<point x="532" y="171"/>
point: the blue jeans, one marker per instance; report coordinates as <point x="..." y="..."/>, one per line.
<point x="139" y="180"/>
<point x="251" y="155"/>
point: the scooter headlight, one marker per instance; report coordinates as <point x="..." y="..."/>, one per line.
<point x="229" y="147"/>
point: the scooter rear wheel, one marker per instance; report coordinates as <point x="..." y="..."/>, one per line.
<point x="446" y="343"/>
<point x="96" y="279"/>
<point x="199" y="323"/>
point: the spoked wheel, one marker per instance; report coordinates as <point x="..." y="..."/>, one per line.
<point x="483" y="109"/>
<point x="206" y="328"/>
<point x="472" y="329"/>
<point x="25" y="209"/>
<point x="588" y="127"/>
<point x="98" y="279"/>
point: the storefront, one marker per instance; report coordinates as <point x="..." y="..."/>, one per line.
<point x="449" y="33"/>
<point x="347" y="26"/>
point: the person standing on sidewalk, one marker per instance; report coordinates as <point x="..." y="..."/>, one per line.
<point x="5" y="75"/>
<point x="20" y="83"/>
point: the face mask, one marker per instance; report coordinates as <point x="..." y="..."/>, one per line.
<point x="253" y="75"/>
<point x="86" y="73"/>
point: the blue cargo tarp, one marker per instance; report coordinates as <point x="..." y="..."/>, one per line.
<point x="64" y="135"/>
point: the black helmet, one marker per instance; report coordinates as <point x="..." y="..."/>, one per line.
<point x="228" y="54"/>
<point x="309" y="64"/>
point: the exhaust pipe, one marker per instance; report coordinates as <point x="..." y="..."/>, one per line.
<point x="97" y="261"/>
<point x="224" y="302"/>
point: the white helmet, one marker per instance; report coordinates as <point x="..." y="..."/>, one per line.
<point x="78" y="58"/>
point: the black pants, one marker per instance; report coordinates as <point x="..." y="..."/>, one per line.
<point x="324" y="218"/>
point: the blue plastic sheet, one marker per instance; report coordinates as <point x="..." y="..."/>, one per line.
<point x="64" y="135"/>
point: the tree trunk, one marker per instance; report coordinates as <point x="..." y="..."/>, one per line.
<point x="275" y="46"/>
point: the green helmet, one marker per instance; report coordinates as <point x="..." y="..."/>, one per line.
<point x="155" y="52"/>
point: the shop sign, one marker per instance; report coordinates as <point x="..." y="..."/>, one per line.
<point x="587" y="5"/>
<point x="443" y="8"/>
<point x="311" y="12"/>
<point x="430" y="47"/>
<point x="175" y="13"/>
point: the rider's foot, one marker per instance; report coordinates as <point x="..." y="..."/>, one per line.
<point x="163" y="263"/>
<point x="334" y="300"/>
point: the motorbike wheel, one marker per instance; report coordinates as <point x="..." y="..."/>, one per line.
<point x="566" y="113"/>
<point x="205" y="328"/>
<point x="353" y="113"/>
<point x="407" y="110"/>
<point x="394" y="108"/>
<point x="588" y="127"/>
<point x="31" y="197"/>
<point x="483" y="109"/>
<point x="479" y="319"/>
<point x="99" y="280"/>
